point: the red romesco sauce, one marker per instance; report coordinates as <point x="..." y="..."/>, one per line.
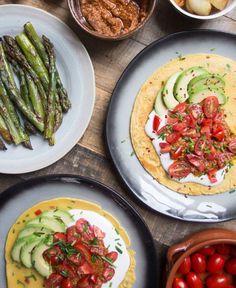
<point x="113" y="17"/>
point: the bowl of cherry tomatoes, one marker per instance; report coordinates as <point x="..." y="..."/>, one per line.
<point x="207" y="259"/>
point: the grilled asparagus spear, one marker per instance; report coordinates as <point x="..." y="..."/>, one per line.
<point x="4" y="132"/>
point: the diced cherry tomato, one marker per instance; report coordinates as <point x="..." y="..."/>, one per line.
<point x="83" y="250"/>
<point x="172" y="119"/>
<point x="179" y="169"/>
<point x="181" y="107"/>
<point x="232" y="146"/>
<point x="98" y="232"/>
<point x="108" y="274"/>
<point x="217" y="281"/>
<point x="112" y="255"/>
<point x="85" y="269"/>
<point x="211" y="152"/>
<point x="215" y="263"/>
<point x="72" y="234"/>
<point x="194" y="280"/>
<point x="207" y="122"/>
<point x="65" y="269"/>
<point x="53" y="281"/>
<point x="175" y="154"/>
<point x="200" y="146"/>
<point x="189" y="132"/>
<point x="156" y="123"/>
<point x="38" y="212"/>
<point x="196" y="161"/>
<point x="223" y="158"/>
<point x="218" y="118"/>
<point x="185" y="266"/>
<point x="207" y="251"/>
<point x="179" y="283"/>
<point x="67" y="283"/>
<point x="212" y="176"/>
<point x="59" y="237"/>
<point x="223" y="249"/>
<point x="219" y="135"/>
<point x="173" y="137"/>
<point x="165" y="147"/>
<point x="82" y="225"/>
<point x="179" y="126"/>
<point x="198" y="263"/>
<point x="76" y="259"/>
<point x="210" y="106"/>
<point x="163" y="129"/>
<point x="196" y="111"/>
<point x="54" y="255"/>
<point x="217" y="128"/>
<point x="230" y="266"/>
<point x="205" y="130"/>
<point x="84" y="282"/>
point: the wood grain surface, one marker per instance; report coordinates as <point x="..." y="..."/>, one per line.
<point x="89" y="157"/>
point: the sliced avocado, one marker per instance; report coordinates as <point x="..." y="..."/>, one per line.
<point x="211" y="90"/>
<point x="168" y="91"/>
<point x="51" y="222"/>
<point x="182" y="82"/>
<point x="15" y="252"/>
<point x="159" y="106"/>
<point x="205" y="80"/>
<point x="26" y="250"/>
<point x="35" y="229"/>
<point x="38" y="261"/>
<point x="58" y="214"/>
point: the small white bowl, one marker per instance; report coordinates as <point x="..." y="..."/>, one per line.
<point x="230" y="6"/>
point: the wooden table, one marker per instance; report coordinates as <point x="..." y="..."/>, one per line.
<point x="89" y="157"/>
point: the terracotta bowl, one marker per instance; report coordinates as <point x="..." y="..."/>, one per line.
<point x="76" y="13"/>
<point x="178" y="252"/>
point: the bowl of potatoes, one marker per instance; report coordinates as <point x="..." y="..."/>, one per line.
<point x="204" y="9"/>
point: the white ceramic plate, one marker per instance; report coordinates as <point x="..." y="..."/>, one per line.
<point x="77" y="75"/>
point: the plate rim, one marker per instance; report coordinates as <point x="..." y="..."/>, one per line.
<point x="129" y="67"/>
<point x="39" y="165"/>
<point x="17" y="188"/>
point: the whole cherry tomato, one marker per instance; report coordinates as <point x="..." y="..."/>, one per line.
<point x="215" y="263"/>
<point x="198" y="263"/>
<point x="230" y="266"/>
<point x="179" y="283"/>
<point x="185" y="266"/>
<point x="217" y="281"/>
<point x="193" y="280"/>
<point x="207" y="251"/>
<point x="223" y="249"/>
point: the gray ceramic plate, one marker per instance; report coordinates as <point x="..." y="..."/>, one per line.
<point x="15" y="200"/>
<point x="215" y="208"/>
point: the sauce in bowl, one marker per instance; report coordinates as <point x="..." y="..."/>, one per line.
<point x="113" y="17"/>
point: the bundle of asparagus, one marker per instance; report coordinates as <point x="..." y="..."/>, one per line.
<point x="37" y="106"/>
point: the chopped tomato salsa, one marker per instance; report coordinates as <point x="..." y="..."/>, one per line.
<point x="198" y="139"/>
<point x="79" y="258"/>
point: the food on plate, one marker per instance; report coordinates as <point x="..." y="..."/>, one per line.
<point x="183" y="124"/>
<point x="67" y="242"/>
<point x="38" y="104"/>
<point x="115" y="17"/>
<point x="211" y="267"/>
<point x="202" y="7"/>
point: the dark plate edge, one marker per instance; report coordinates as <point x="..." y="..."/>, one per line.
<point x="109" y="116"/>
<point x="153" y="266"/>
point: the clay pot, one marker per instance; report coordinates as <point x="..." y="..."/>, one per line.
<point x="178" y="252"/>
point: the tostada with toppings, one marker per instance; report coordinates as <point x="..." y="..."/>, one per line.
<point x="183" y="124"/>
<point x="67" y="242"/>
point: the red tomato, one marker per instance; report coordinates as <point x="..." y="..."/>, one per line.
<point x="207" y="251"/>
<point x="72" y="234"/>
<point x="175" y="154"/>
<point x="98" y="232"/>
<point x="171" y="118"/>
<point x="84" y="282"/>
<point x="179" y="126"/>
<point x="196" y="111"/>
<point x="193" y="280"/>
<point x="189" y="132"/>
<point x="85" y="268"/>
<point x="67" y="283"/>
<point x="219" y="135"/>
<point x="53" y="281"/>
<point x="223" y="158"/>
<point x="232" y="146"/>
<point x="211" y="154"/>
<point x="200" y="146"/>
<point x="181" y="107"/>
<point x="54" y="255"/>
<point x="223" y="249"/>
<point x="173" y="137"/>
<point x="179" y="169"/>
<point x="66" y="269"/>
<point x="108" y="274"/>
<point x="198" y="263"/>
<point x="207" y="122"/>
<point x="82" y="225"/>
<point x="179" y="283"/>
<point x="196" y="161"/>
<point x="210" y="106"/>
<point x="76" y="259"/>
<point x="217" y="128"/>
<point x="38" y="212"/>
<point x="219" y="117"/>
<point x="112" y="255"/>
<point x="165" y="147"/>
<point x="59" y="237"/>
<point x="217" y="281"/>
<point x="212" y="176"/>
<point x="215" y="263"/>
<point x="156" y="123"/>
<point x="206" y="130"/>
<point x="185" y="266"/>
<point x="230" y="266"/>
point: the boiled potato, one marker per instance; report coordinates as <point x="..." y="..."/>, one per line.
<point x="219" y="4"/>
<point x="200" y="7"/>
